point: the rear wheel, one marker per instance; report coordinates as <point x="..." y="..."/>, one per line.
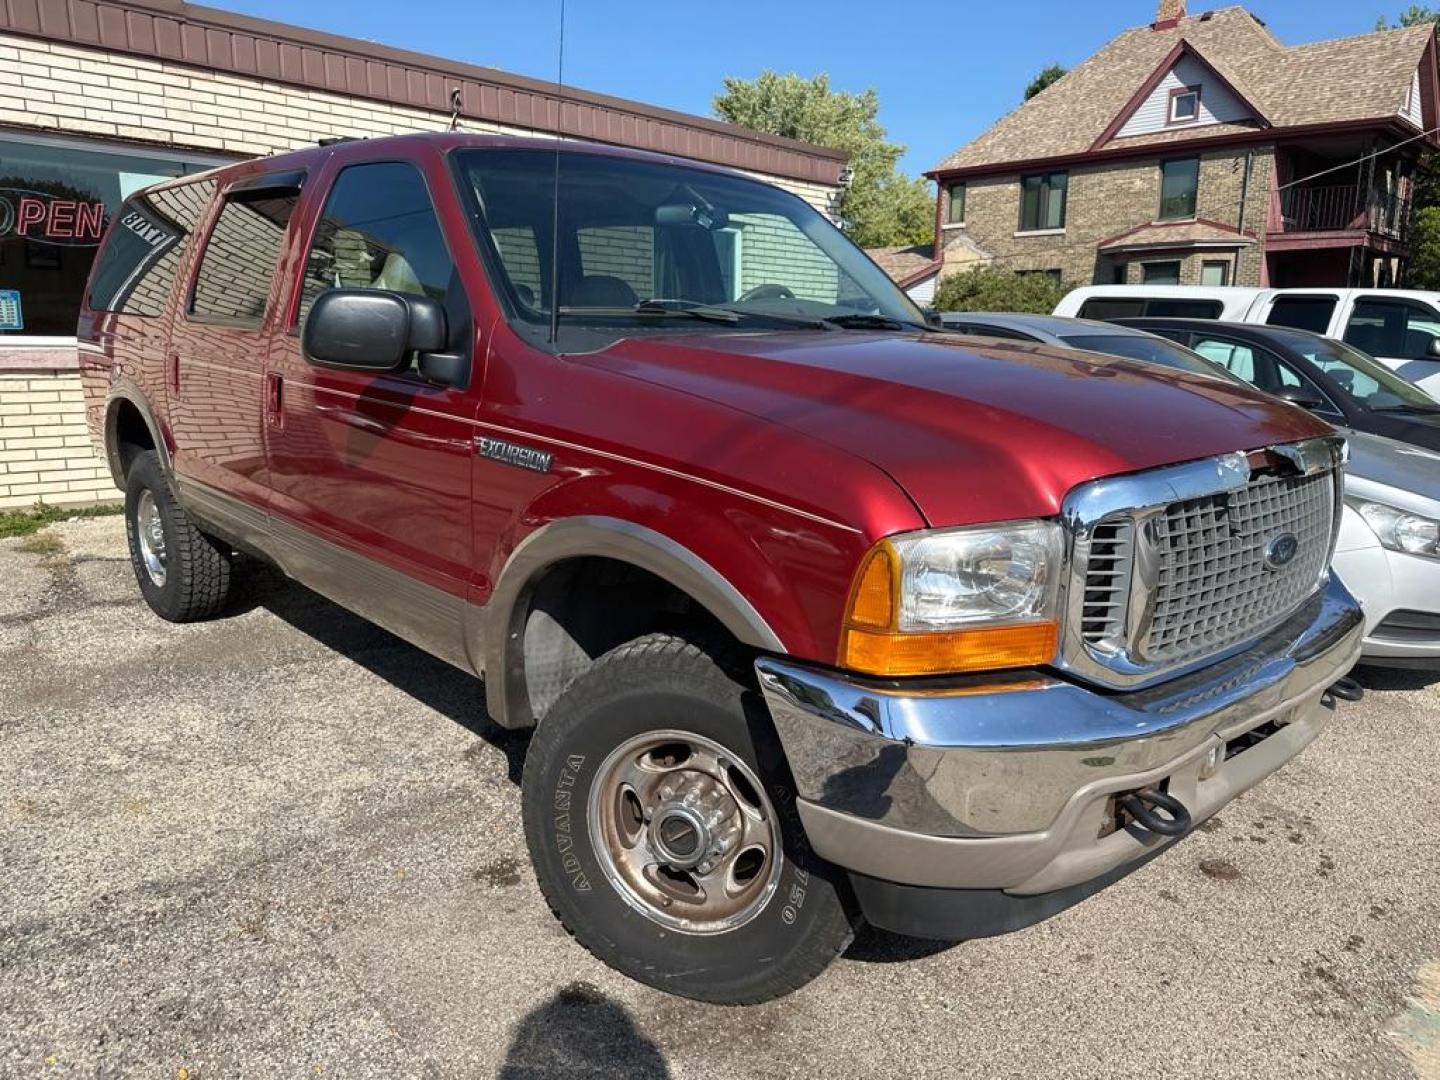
<point x="662" y="826"/>
<point x="184" y="575"/>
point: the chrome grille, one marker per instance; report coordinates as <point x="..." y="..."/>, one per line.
<point x="1170" y="568"/>
<point x="1213" y="586"/>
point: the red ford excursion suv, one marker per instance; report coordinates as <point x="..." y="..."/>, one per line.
<point x="819" y="615"/>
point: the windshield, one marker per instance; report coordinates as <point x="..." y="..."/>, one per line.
<point x="1368" y="381"/>
<point x="645" y="242"/>
<point x="1151" y="349"/>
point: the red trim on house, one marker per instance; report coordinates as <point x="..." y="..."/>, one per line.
<point x="1349" y="238"/>
<point x="1199" y="144"/>
<point x="919" y="275"/>
<point x="210" y="39"/>
<point x="1156" y="77"/>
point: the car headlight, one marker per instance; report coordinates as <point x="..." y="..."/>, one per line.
<point x="1400" y="530"/>
<point x="952" y="600"/>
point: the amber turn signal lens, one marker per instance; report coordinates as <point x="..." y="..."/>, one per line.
<point x="872" y="603"/>
<point x="893" y="654"/>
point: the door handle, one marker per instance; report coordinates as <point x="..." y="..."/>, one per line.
<point x="275" y="399"/>
<point x="173" y="374"/>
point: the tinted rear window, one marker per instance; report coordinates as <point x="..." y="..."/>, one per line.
<point x="1184" y="309"/>
<point x="136" y="270"/>
<point x="1151" y="350"/>
<point x="238" y="265"/>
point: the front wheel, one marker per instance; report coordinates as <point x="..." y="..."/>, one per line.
<point x="663" y="830"/>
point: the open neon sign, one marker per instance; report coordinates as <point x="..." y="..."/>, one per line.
<point x="48" y="219"/>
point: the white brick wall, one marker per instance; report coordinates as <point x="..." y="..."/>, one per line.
<point x="45" y="449"/>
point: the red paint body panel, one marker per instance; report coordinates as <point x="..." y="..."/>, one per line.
<point x="778" y="458"/>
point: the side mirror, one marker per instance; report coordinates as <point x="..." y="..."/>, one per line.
<point x="370" y="329"/>
<point x="1432" y="351"/>
<point x="1299" y="395"/>
<point x="932" y="318"/>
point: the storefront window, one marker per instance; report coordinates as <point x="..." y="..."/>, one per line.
<point x="56" y="198"/>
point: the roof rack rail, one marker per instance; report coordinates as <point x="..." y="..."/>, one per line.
<point x="332" y="140"/>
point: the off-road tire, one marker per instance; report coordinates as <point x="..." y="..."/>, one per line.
<point x="657" y="683"/>
<point x="198" y="568"/>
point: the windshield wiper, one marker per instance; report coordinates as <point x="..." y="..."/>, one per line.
<point x="860" y="321"/>
<point x="660" y="306"/>
<point x="1407" y="408"/>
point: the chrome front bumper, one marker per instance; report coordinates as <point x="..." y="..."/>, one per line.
<point x="1003" y="781"/>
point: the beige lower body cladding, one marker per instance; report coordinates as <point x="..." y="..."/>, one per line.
<point x="46" y="453"/>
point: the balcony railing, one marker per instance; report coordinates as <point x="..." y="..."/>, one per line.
<point x="1344" y="207"/>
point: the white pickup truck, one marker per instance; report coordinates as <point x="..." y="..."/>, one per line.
<point x="1399" y="327"/>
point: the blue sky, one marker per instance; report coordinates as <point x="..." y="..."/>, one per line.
<point x="944" y="70"/>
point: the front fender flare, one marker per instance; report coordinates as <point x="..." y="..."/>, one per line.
<point x="501" y="620"/>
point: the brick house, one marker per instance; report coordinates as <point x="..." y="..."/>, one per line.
<point x="101" y="97"/>
<point x="1202" y="150"/>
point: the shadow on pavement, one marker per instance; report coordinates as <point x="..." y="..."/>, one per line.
<point x="1382" y="678"/>
<point x="452" y="693"/>
<point x="875" y="946"/>
<point x="581" y="1033"/>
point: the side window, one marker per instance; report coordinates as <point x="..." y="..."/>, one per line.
<point x="1311" y="313"/>
<point x="136" y="271"/>
<point x="378" y="231"/>
<point x="1103" y="308"/>
<point x="1236" y="358"/>
<point x="1184" y="309"/>
<point x="1397" y="329"/>
<point x="238" y="264"/>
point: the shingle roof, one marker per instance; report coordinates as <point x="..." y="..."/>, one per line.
<point x="903" y="263"/>
<point x="1357" y="78"/>
<point x="1177" y="234"/>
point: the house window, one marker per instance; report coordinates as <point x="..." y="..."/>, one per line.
<point x="1184" y="105"/>
<point x="1215" y="272"/>
<point x="955" y="204"/>
<point x="1179" y="182"/>
<point x="1042" y="201"/>
<point x="1160" y="273"/>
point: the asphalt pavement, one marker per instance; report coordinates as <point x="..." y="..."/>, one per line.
<point x="285" y="844"/>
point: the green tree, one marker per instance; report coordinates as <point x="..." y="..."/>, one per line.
<point x="1423" y="271"/>
<point x="881" y="206"/>
<point x="1051" y="74"/>
<point x="1414" y="15"/>
<point x="988" y="289"/>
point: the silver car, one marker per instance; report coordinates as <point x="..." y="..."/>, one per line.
<point x="1388" y="552"/>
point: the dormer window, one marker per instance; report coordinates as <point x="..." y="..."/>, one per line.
<point x="1185" y="105"/>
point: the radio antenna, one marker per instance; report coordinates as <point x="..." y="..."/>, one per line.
<point x="555" y="206"/>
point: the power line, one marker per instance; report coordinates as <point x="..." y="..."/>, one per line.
<point x="1358" y="161"/>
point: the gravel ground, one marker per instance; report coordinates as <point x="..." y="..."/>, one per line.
<point x="286" y="844"/>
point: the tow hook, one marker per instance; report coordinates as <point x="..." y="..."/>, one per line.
<point x="1346" y="689"/>
<point x="1141" y="805"/>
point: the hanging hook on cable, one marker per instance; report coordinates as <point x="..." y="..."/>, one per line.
<point x="455" y="109"/>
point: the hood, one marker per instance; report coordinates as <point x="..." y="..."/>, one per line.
<point x="971" y="431"/>
<point x="1394" y="472"/>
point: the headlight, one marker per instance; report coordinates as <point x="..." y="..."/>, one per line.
<point x="1400" y="530"/>
<point x="953" y="600"/>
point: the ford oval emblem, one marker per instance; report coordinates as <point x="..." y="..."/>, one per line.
<point x="1281" y="550"/>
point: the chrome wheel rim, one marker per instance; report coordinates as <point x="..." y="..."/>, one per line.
<point x="150" y="535"/>
<point x="685" y="832"/>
